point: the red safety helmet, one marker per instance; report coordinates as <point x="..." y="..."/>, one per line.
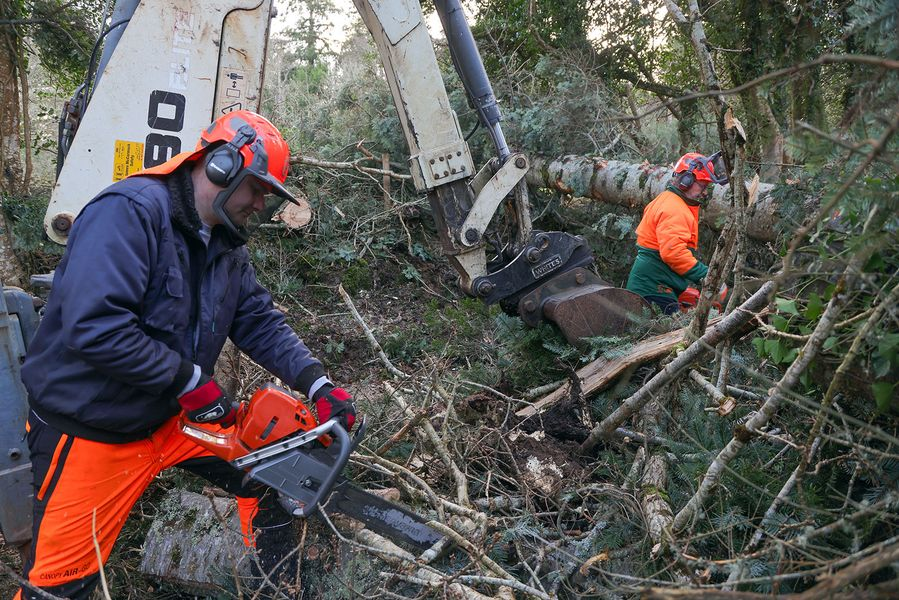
<point x="693" y="167"/>
<point x="237" y="145"/>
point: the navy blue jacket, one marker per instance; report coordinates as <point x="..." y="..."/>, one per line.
<point x="136" y="301"/>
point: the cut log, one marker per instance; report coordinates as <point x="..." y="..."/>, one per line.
<point x="295" y="216"/>
<point x="635" y="185"/>
<point x="603" y="370"/>
<point x="195" y="543"/>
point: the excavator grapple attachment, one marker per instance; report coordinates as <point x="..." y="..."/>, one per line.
<point x="583" y="305"/>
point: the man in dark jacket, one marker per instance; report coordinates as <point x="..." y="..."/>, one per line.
<point x="154" y="279"/>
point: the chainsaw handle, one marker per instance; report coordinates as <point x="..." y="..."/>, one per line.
<point x="341" y="439"/>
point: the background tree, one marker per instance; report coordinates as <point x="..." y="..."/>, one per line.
<point x="60" y="35"/>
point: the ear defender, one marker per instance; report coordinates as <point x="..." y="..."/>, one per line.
<point x="225" y="162"/>
<point x="686" y="179"/>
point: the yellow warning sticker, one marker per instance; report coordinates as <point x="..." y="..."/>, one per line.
<point x="129" y="158"/>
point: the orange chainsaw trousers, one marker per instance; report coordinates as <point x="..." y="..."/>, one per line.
<point x="84" y="491"/>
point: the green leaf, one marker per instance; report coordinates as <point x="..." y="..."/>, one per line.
<point x="814" y="307"/>
<point x="888" y="346"/>
<point x="780" y="323"/>
<point x="790" y="355"/>
<point x="759" y="345"/>
<point x="805" y="379"/>
<point x="411" y="273"/>
<point x="881" y="366"/>
<point x="829" y="343"/>
<point x="787" y="306"/>
<point x="775" y="350"/>
<point x="883" y="394"/>
<point x="875" y="263"/>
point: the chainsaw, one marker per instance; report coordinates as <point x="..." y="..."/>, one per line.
<point x="278" y="442"/>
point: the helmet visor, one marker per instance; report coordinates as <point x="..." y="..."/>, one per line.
<point x="715" y="168"/>
<point x="248" y="202"/>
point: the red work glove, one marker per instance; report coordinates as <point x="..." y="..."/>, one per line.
<point x="688" y="298"/>
<point x="335" y="403"/>
<point x="207" y="403"/>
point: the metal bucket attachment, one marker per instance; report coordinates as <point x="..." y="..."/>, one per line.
<point x="583" y="305"/>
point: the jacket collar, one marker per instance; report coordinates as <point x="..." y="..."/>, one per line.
<point x="680" y="194"/>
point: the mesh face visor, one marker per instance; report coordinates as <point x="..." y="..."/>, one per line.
<point x="713" y="165"/>
<point x="258" y="169"/>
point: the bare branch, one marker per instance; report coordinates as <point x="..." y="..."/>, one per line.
<point x="356" y="165"/>
<point x="780" y="391"/>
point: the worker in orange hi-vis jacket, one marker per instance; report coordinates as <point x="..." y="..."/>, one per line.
<point x="667" y="266"/>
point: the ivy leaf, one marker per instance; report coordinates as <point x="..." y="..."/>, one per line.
<point x="780" y="323"/>
<point x="883" y="394"/>
<point x="786" y="306"/>
<point x="759" y="345"/>
<point x="814" y="307"/>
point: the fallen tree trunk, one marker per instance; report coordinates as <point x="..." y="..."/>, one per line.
<point x="635" y="185"/>
<point x="195" y="543"/>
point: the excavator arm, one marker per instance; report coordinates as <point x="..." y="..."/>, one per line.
<point x="540" y="275"/>
<point x="169" y="68"/>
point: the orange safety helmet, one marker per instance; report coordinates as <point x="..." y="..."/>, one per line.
<point x="236" y="145"/>
<point x="693" y="167"/>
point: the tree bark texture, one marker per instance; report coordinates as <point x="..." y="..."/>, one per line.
<point x="10" y="110"/>
<point x="10" y="269"/>
<point x="653" y="496"/>
<point x="195" y="542"/>
<point x="635" y="186"/>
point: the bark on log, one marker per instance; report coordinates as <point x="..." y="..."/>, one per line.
<point x="635" y="185"/>
<point x="194" y="545"/>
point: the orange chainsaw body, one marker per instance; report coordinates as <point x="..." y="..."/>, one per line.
<point x="271" y="414"/>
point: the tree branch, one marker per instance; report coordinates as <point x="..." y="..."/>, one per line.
<point x="723" y="330"/>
